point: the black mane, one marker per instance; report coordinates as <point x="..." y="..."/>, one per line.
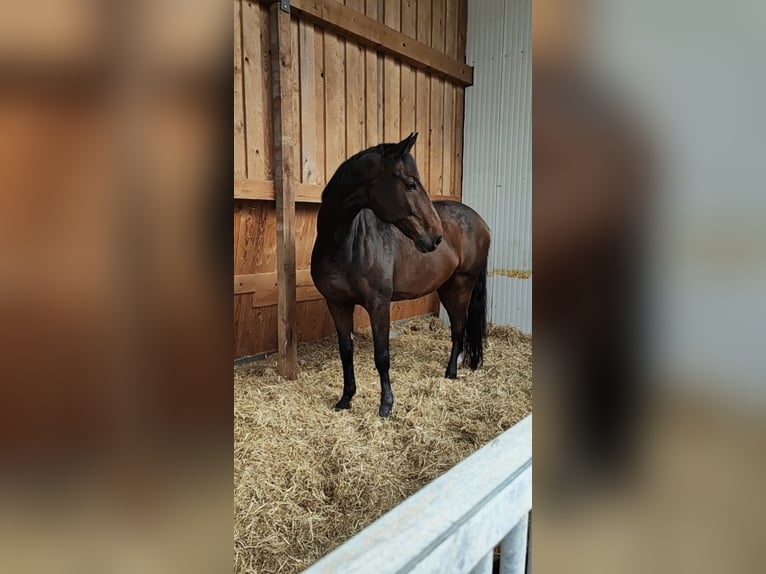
<point x="338" y="181"/>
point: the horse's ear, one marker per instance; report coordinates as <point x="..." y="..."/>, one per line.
<point x="404" y="146"/>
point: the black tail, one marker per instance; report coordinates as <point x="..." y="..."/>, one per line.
<point x="476" y="322"/>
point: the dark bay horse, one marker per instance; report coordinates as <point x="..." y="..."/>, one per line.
<point x="381" y="239"/>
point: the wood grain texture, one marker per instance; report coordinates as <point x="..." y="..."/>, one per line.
<point x="285" y="130"/>
<point x="407" y="92"/>
<point x="448" y="161"/>
<point x="462" y="27"/>
<point x="240" y="162"/>
<point x="264" y="31"/>
<point x="319" y="91"/>
<point x="255" y="237"/>
<point x="304" y="192"/>
<point x="265" y="287"/>
<point x="306" y="225"/>
<point x="355" y="90"/>
<point x="436" y="125"/>
<point x="256" y="103"/>
<point x="347" y="22"/>
<point x="308" y="106"/>
<point x="392" y="79"/>
<point x="458" y="156"/>
<point x="296" y="99"/>
<point x="251" y="282"/>
<point x="371" y="84"/>
<point x="265" y="190"/>
<point x="335" y="102"/>
<point x="423" y="96"/>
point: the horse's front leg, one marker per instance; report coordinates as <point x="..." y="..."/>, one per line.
<point x="343" y="316"/>
<point x="380" y="317"/>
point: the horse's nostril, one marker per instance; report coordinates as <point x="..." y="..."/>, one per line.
<point x="438" y="240"/>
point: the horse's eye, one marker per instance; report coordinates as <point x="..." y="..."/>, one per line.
<point x="412" y="185"/>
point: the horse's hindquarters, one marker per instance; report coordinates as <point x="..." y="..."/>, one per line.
<point x="467" y="233"/>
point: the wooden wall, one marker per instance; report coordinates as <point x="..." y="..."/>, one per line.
<point x="350" y="96"/>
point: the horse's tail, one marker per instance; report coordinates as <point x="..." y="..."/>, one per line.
<point x="476" y="322"/>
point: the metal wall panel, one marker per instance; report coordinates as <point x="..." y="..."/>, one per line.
<point x="497" y="168"/>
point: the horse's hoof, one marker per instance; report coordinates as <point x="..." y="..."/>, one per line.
<point x="343" y="405"/>
<point x="385" y="410"/>
<point x="450" y="375"/>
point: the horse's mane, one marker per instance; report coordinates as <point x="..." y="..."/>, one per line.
<point x="337" y="181"/>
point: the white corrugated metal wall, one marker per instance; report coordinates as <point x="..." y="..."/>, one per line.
<point x="497" y="168"/>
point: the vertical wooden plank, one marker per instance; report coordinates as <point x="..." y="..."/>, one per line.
<point x="295" y="34"/>
<point x="358" y="5"/>
<point x="305" y="229"/>
<point x="457" y="167"/>
<point x="462" y="27"/>
<point x="255" y="111"/>
<point x="284" y="147"/>
<point x="448" y="161"/>
<point x="450" y="28"/>
<point x="407" y="92"/>
<point x="448" y="142"/>
<point x="319" y="79"/>
<point x="392" y="78"/>
<point x="437" y="103"/>
<point x="381" y="82"/>
<point x="266" y="121"/>
<point x="423" y="96"/>
<point x="371" y="84"/>
<point x="355" y="109"/>
<point x="308" y="106"/>
<point x="335" y="102"/>
<point x="240" y="166"/>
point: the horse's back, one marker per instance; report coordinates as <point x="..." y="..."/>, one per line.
<point x="466" y="231"/>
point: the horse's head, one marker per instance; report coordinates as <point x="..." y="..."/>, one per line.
<point x="397" y="196"/>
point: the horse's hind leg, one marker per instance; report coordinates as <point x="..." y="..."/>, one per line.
<point x="343" y="316"/>
<point x="455" y="296"/>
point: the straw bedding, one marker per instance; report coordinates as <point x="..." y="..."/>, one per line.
<point x="306" y="478"/>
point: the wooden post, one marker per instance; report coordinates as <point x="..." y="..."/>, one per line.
<point x="283" y="94"/>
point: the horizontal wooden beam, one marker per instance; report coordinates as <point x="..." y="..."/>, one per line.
<point x="253" y="189"/>
<point x="302" y="294"/>
<point x="266" y="288"/>
<point x="264" y="190"/>
<point x="349" y="23"/>
<point x="305" y="192"/>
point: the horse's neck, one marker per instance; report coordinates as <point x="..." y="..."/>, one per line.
<point x="335" y="219"/>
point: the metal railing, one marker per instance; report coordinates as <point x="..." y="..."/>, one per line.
<point x="453" y="524"/>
